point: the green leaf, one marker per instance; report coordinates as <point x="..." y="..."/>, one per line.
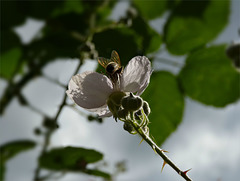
<point x="97" y="173"/>
<point x="151" y="39"/>
<point x="167" y="104"/>
<point x="69" y="158"/>
<point x="54" y="44"/>
<point x="194" y="23"/>
<point x="9" y="62"/>
<point x="10" y="149"/>
<point x="11" y="14"/>
<point x="2" y="172"/>
<point x="67" y="7"/>
<point x="123" y="40"/>
<point x="9" y="39"/>
<point x="151" y="9"/>
<point x="209" y="77"/>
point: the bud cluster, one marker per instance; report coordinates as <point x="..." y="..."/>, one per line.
<point x="130" y="109"/>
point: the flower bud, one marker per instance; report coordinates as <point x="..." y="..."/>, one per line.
<point x="128" y="127"/>
<point x="122" y="113"/>
<point x="114" y="102"/>
<point x="146" y="108"/>
<point x="116" y="97"/>
<point x="132" y="102"/>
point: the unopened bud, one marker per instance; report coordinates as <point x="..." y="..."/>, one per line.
<point x="132" y="102"/>
<point x="128" y="127"/>
<point x="122" y="113"/>
<point x="114" y="102"/>
<point x="116" y="97"/>
<point x="146" y="108"/>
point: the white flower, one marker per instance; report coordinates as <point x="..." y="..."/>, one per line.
<point x="91" y="90"/>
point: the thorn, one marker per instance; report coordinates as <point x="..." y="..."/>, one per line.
<point x="165" y="151"/>
<point x="141" y="142"/>
<point x="185" y="172"/>
<point x="153" y="147"/>
<point x="164" y="163"/>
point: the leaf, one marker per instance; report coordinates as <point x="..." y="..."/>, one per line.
<point x="9" y="39"/>
<point x="209" y="77"/>
<point x="35" y="8"/>
<point x="151" y="9"/>
<point x="167" y="104"/>
<point x="2" y="170"/>
<point x="10" y="149"/>
<point x="97" y="173"/>
<point x="11" y="15"/>
<point x="67" y="7"/>
<point x="9" y="62"/>
<point x="194" y="23"/>
<point x="123" y="40"/>
<point x="69" y="158"/>
<point x="54" y="44"/>
<point x="151" y="39"/>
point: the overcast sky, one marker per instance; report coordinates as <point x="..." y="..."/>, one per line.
<point x="207" y="140"/>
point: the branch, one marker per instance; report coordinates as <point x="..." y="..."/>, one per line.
<point x="159" y="151"/>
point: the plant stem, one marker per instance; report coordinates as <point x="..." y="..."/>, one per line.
<point x="159" y="151"/>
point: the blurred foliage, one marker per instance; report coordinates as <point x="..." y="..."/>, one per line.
<point x="209" y="77"/>
<point x="10" y="149"/>
<point x="192" y="24"/>
<point x="168" y="102"/>
<point x="72" y="159"/>
<point x="82" y="29"/>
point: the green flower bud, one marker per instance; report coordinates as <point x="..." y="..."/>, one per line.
<point x="122" y="113"/>
<point x="132" y="102"/>
<point x="128" y="127"/>
<point x="116" y="97"/>
<point x="114" y="102"/>
<point x="146" y="108"/>
<point x="137" y="114"/>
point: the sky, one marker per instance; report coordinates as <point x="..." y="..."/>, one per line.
<point x="207" y="140"/>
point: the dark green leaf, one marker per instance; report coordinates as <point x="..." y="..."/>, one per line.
<point x="151" y="39"/>
<point x="10" y="149"/>
<point x="151" y="9"/>
<point x="9" y="40"/>
<point x="2" y="170"/>
<point x="167" y="104"/>
<point x="11" y="15"/>
<point x="123" y="40"/>
<point x="97" y="173"/>
<point x="54" y="44"/>
<point x="69" y="7"/>
<point x="9" y="62"/>
<point x="209" y="77"/>
<point x="39" y="9"/>
<point x="69" y="158"/>
<point x="194" y="23"/>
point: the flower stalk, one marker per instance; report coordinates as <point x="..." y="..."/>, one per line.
<point x="139" y="125"/>
<point x="158" y="150"/>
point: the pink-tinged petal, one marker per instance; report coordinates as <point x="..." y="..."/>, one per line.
<point x="90" y="90"/>
<point x="136" y="75"/>
<point x="101" y="111"/>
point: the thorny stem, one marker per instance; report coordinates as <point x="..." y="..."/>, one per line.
<point x="158" y="150"/>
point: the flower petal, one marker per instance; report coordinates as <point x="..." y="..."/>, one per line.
<point x="101" y="111"/>
<point x="136" y="75"/>
<point x="90" y="90"/>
